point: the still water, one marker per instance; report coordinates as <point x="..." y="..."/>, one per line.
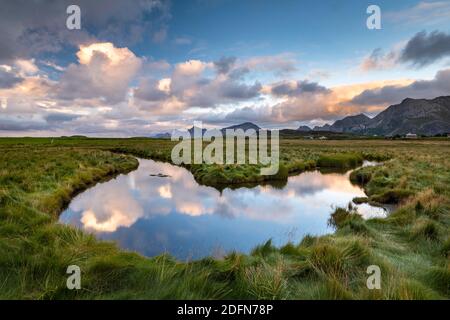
<point x="160" y="208"/>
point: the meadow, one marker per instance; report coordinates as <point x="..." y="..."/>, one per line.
<point x="39" y="177"/>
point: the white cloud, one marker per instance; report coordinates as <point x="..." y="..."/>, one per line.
<point x="26" y="67"/>
<point x="191" y="68"/>
<point x="104" y="72"/>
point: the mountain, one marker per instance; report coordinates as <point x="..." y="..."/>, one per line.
<point x="304" y="129"/>
<point x="163" y="135"/>
<point x="244" y="126"/>
<point x="349" y="124"/>
<point x="325" y="127"/>
<point x="420" y="116"/>
<point x="191" y="130"/>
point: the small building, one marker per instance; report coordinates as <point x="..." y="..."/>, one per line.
<point x="411" y="136"/>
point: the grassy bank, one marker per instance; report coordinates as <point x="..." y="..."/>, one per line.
<point x="412" y="246"/>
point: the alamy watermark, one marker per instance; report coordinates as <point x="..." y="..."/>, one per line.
<point x="74" y="280"/>
<point x="373" y="22"/>
<point x="190" y="149"/>
<point x="374" y="280"/>
<point x="73" y="21"/>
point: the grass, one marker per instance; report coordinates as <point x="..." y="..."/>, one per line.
<point x="38" y="177"/>
<point x="340" y="160"/>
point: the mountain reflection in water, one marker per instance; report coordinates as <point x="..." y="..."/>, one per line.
<point x="173" y="213"/>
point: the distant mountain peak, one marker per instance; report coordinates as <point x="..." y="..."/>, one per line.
<point x="192" y="130"/>
<point x="244" y="126"/>
<point x="361" y="115"/>
<point x="304" y="129"/>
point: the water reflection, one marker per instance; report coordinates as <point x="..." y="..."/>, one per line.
<point x="153" y="214"/>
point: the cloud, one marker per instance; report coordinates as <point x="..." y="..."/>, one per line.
<point x="8" y="79"/>
<point x="424" y="49"/>
<point x="190" y="68"/>
<point x="425" y="12"/>
<point x="421" y="50"/>
<point x="152" y="90"/>
<point x="192" y="85"/>
<point x="53" y="65"/>
<point x="224" y="64"/>
<point x="240" y="91"/>
<point x="260" y="114"/>
<point x="294" y="88"/>
<point x="392" y="94"/>
<point x="96" y="96"/>
<point x="160" y="35"/>
<point x="378" y="60"/>
<point x="280" y="64"/>
<point x="22" y="123"/>
<point x="313" y="106"/>
<point x="26" y="67"/>
<point x="182" y="41"/>
<point x="103" y="71"/>
<point x="58" y="117"/>
<point x="29" y="28"/>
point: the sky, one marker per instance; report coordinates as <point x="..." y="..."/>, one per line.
<point x="136" y="68"/>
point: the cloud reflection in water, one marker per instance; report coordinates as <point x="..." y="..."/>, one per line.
<point x="174" y="214"/>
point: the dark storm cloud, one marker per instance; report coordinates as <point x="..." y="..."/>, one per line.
<point x="224" y="64"/>
<point x="32" y="27"/>
<point x="439" y="86"/>
<point x="300" y="87"/>
<point x="424" y="49"/>
<point x="8" y="79"/>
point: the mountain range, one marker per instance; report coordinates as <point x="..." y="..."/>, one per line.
<point x="419" y="116"/>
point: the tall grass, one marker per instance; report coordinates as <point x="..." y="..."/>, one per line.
<point x="411" y="246"/>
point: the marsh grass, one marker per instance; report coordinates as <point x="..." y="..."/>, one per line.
<point x="38" y="177"/>
<point x="340" y="160"/>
